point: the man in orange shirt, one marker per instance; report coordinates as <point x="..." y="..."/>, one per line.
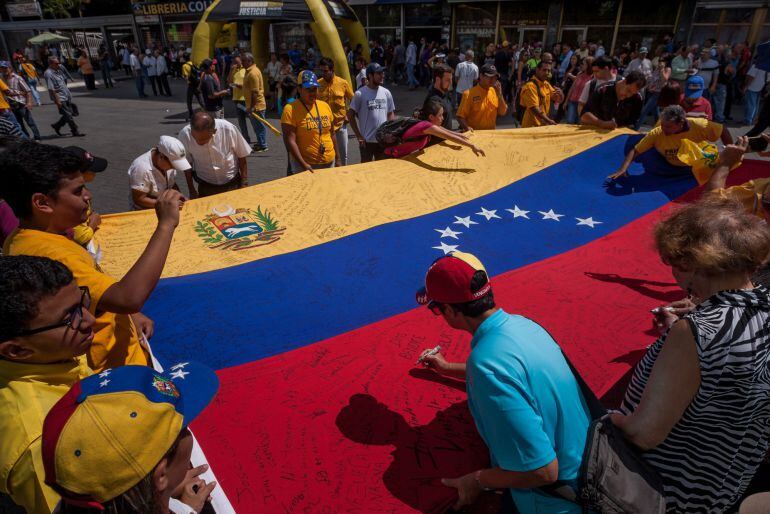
<point x="483" y="103"/>
<point x="537" y="95"/>
<point x="44" y="186"/>
<point x="254" y="96"/>
<point x="338" y="93"/>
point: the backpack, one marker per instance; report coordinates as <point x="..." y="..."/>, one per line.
<point x="391" y="133"/>
<point x="194" y="78"/>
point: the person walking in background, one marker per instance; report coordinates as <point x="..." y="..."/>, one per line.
<point x="161" y="73"/>
<point x="681" y="65"/>
<point x="125" y="59"/>
<point x="29" y="72"/>
<point x="211" y="89"/>
<point x="372" y="105"/>
<point x="105" y="65"/>
<point x="61" y="96"/>
<point x="138" y="73"/>
<point x="19" y="98"/>
<point x="273" y="72"/>
<point x="411" y="63"/>
<point x="148" y="64"/>
<point x="254" y="96"/>
<point x="308" y="129"/>
<point x="192" y="76"/>
<point x="336" y="92"/>
<point x="756" y="80"/>
<point x="466" y="73"/>
<point x="235" y="80"/>
<point x="660" y="76"/>
<point x="87" y="70"/>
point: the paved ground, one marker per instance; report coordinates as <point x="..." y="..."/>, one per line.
<point x="119" y="127"/>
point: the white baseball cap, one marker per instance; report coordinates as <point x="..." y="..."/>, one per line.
<point x="173" y="149"/>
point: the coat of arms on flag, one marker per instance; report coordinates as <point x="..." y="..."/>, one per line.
<point x="238" y="229"/>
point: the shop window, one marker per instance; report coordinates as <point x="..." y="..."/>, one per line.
<point x="700" y="33"/>
<point x="738" y="16"/>
<point x="603" y="34"/>
<point x="523" y="13"/>
<point x="475" y="25"/>
<point x="590" y="12"/>
<point x="388" y="15"/>
<point x="422" y="15"/>
<point x="384" y="36"/>
<point x="649" y="12"/>
<point x="732" y="34"/>
<point x="703" y="15"/>
<point x="650" y="37"/>
<point x="360" y="11"/>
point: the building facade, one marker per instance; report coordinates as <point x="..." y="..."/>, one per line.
<point x="475" y="24"/>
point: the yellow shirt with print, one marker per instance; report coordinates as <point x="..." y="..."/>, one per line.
<point x="116" y="342"/>
<point x="749" y="194"/>
<point x="252" y="83"/>
<point x="306" y="126"/>
<point x="700" y="129"/>
<point x="29" y="70"/>
<point x="4" y="91"/>
<point x="535" y="93"/>
<point x="237" y="80"/>
<point x="186" y="69"/>
<point x="338" y="95"/>
<point x="27" y="393"/>
<point x="478" y="107"/>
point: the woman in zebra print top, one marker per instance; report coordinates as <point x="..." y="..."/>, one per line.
<point x="699" y="402"/>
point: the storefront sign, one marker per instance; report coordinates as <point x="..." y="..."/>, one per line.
<point x="147" y="19"/>
<point x="23" y="10"/>
<point x="260" y="8"/>
<point x="477" y="31"/>
<point x="191" y="7"/>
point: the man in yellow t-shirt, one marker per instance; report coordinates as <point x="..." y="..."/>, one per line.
<point x="336" y="92"/>
<point x="308" y="129"/>
<point x="44" y="186"/>
<point x="666" y="139"/>
<point x="45" y="330"/>
<point x="536" y="97"/>
<point x="483" y="103"/>
<point x="254" y="95"/>
<point x="235" y="80"/>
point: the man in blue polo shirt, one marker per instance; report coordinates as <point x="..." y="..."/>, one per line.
<point x="524" y="399"/>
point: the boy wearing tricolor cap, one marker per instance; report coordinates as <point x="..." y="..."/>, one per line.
<point x="119" y="441"/>
<point x="525" y="401"/>
<point x="45" y="331"/>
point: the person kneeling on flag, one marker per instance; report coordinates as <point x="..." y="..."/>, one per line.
<point x="119" y="442"/>
<point x="406" y="136"/>
<point x="666" y="138"/>
<point x="524" y="398"/>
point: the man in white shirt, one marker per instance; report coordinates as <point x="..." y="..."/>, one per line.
<point x="137" y="72"/>
<point x="372" y="105"/>
<point x="155" y="171"/>
<point x="149" y="66"/>
<point x="755" y="83"/>
<point x="161" y="72"/>
<point x="641" y="64"/>
<point x="217" y="152"/>
<point x="466" y="73"/>
<point x="708" y="69"/>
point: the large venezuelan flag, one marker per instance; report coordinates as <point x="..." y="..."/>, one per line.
<point x="300" y="292"/>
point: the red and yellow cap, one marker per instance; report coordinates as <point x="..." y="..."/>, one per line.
<point x="449" y="280"/>
<point x="111" y="430"/>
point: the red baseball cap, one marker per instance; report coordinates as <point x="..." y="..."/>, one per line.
<point x="449" y="280"/>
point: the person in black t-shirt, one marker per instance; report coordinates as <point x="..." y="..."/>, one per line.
<point x="615" y="104"/>
<point x="442" y="83"/>
<point x="211" y="88"/>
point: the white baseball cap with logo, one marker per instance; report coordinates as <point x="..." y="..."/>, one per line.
<point x="173" y="149"/>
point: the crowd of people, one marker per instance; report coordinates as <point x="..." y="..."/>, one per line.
<point x="697" y="406"/>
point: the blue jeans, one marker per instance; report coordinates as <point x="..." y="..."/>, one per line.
<point x="23" y="115"/>
<point x="411" y="81"/>
<point x="719" y="98"/>
<point x="259" y="129"/>
<point x="8" y="115"/>
<point x="139" y="80"/>
<point x="342" y="143"/>
<point x="33" y="86"/>
<point x="752" y="101"/>
<point x="650" y="107"/>
<point x="572" y="113"/>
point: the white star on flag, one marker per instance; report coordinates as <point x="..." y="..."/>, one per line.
<point x="179" y="366"/>
<point x="447" y="232"/>
<point x="550" y="215"/>
<point x="105" y="373"/>
<point x="488" y="214"/>
<point x="590" y="222"/>
<point x="518" y="213"/>
<point x="179" y="374"/>
<point x="467" y="221"/>
<point x="446" y="248"/>
<point x="104" y="382"/>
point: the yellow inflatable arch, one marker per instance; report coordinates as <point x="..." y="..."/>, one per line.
<point x="315" y="12"/>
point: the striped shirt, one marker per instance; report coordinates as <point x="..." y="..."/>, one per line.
<point x="708" y="459"/>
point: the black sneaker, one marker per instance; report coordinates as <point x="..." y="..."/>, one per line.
<point x="57" y="130"/>
<point x="77" y="134"/>
<point x="259" y="149"/>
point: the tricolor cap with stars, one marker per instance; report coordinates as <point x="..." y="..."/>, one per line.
<point x="449" y="280"/>
<point x="111" y="429"/>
